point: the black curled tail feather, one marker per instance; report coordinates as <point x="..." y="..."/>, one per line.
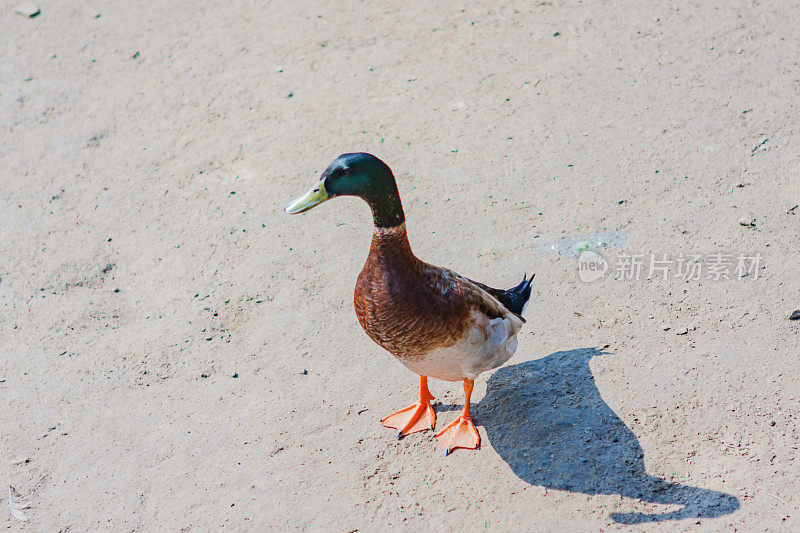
<point x="519" y="295"/>
<point x="513" y="299"/>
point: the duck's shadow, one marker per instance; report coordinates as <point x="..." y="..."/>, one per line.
<point x="547" y="420"/>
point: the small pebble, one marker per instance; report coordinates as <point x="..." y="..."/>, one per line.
<point x="235" y="375"/>
<point x="27" y="9"/>
<point x="795" y="315"/>
<point x="304" y="372"/>
<point x="747" y="222"/>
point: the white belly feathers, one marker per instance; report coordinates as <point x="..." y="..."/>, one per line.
<point x="488" y="344"/>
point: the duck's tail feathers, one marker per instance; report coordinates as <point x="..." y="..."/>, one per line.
<point x="519" y="296"/>
<point x="514" y="299"/>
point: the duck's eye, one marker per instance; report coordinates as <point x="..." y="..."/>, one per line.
<point x="345" y="170"/>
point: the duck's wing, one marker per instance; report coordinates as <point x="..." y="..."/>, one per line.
<point x="484" y="304"/>
<point x="490" y="333"/>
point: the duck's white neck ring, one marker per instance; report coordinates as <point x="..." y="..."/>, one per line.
<point x="394" y="230"/>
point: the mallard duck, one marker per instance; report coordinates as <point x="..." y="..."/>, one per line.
<point x="437" y="323"/>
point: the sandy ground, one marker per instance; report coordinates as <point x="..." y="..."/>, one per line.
<point x="176" y="352"/>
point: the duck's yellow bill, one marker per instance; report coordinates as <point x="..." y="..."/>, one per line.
<point x="315" y="196"/>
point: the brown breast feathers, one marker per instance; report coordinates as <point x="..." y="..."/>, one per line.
<point x="410" y="307"/>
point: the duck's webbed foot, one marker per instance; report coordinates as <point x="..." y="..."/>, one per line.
<point x="418" y="416"/>
<point x="461" y="432"/>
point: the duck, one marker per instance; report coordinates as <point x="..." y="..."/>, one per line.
<point x="437" y="323"/>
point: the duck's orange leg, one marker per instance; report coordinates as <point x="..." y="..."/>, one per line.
<point x="461" y="432"/>
<point x="416" y="417"/>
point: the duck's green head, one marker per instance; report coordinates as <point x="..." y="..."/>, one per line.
<point x="362" y="175"/>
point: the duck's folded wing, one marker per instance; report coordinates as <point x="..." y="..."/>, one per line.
<point x="493" y="331"/>
<point x="484" y="303"/>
